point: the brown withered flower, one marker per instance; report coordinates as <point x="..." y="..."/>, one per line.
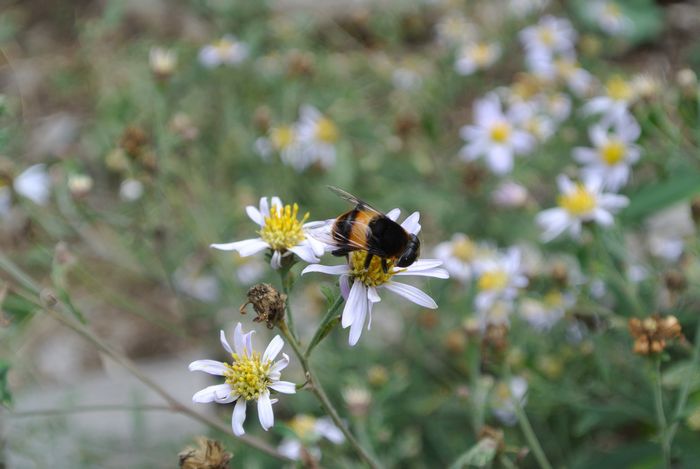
<point x="210" y="454"/>
<point x="650" y="334"/>
<point x="268" y="303"/>
<point x="133" y="141"/>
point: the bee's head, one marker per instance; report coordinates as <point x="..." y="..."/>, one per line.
<point x="411" y="253"/>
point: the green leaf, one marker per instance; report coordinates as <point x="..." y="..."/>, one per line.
<point x="656" y="197"/>
<point x="5" y="395"/>
<point x="329" y="321"/>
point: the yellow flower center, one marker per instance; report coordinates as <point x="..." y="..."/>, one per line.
<point x="326" y="130"/>
<point x="612" y="152"/>
<point x="248" y="376"/>
<point x="282" y="229"/>
<point x="223" y="46"/>
<point x="493" y="280"/>
<point x="481" y="54"/>
<point x="565" y="68"/>
<point x="578" y="202"/>
<point x="500" y="132"/>
<point x="546" y="36"/>
<point x="303" y="425"/>
<point x="372" y="276"/>
<point x="463" y="249"/>
<point x="618" y="89"/>
<point x="553" y="299"/>
<point x="502" y="392"/>
<point x="282" y="137"/>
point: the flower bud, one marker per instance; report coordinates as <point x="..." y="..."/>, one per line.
<point x="268" y="303"/>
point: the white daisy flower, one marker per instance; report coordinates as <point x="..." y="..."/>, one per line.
<point x="613" y="154"/>
<point x="510" y="194"/>
<point x="495" y="314"/>
<point x="459" y="254"/>
<point x="504" y="398"/>
<point x="499" y="278"/>
<point x="578" y="203"/>
<point x="308" y="432"/>
<point x="476" y="56"/>
<point x="318" y="136"/>
<point x="281" y="231"/>
<point x="545" y="313"/>
<point x="454" y="29"/>
<point x="562" y="67"/>
<point x="494" y="135"/>
<point x="610" y="18"/>
<point x="360" y="286"/>
<point x="130" y="190"/>
<point x="249" y="376"/>
<point x="523" y="8"/>
<point x="34" y="183"/>
<point x="284" y="140"/>
<point x="226" y="51"/>
<point x="550" y="35"/>
<point x="163" y="62"/>
<point x="619" y="95"/>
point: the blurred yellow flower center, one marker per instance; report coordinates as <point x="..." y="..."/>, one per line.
<point x="493" y="280"/>
<point x="303" y="425"/>
<point x="502" y="392"/>
<point x="500" y="132"/>
<point x="248" y="376"/>
<point x="481" y="54"/>
<point x="223" y="46"/>
<point x="612" y="10"/>
<point x="553" y="299"/>
<point x="282" y="137"/>
<point x="578" y="202"/>
<point x="612" y="152"/>
<point x="372" y="276"/>
<point x="463" y="249"/>
<point x="546" y="36"/>
<point x="618" y="89"/>
<point x="282" y="229"/>
<point x="326" y="131"/>
<point x="565" y="68"/>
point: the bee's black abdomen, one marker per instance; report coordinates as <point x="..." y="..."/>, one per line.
<point x="388" y="236"/>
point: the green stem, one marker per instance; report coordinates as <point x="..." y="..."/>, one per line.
<point x="660" y="414"/>
<point x="322" y="397"/>
<point x="323" y="325"/>
<point x="530" y="436"/>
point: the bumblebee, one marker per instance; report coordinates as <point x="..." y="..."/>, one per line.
<point x="365" y="228"/>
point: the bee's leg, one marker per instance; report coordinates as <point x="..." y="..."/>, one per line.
<point x="368" y="260"/>
<point x="385" y="267"/>
<point x="340" y="252"/>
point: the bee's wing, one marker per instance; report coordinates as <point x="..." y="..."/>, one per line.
<point x="324" y="233"/>
<point x="353" y="200"/>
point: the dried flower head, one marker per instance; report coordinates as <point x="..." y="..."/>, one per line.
<point x="267" y="302"/>
<point x="209" y="454"/>
<point x="650" y="334"/>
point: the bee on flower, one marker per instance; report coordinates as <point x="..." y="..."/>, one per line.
<point x="550" y="35"/>
<point x="499" y="278"/>
<point x="249" y="376"/>
<point x="281" y="231"/>
<point x="360" y="283"/>
<point x="318" y="135"/>
<point x="613" y="154"/>
<point x="476" y="56"/>
<point x="226" y="51"/>
<point x="495" y="134"/>
<point x="578" y="203"/>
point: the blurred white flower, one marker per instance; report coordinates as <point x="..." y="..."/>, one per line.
<point x="406" y="78"/>
<point x="459" y="254"/>
<point x="613" y="154"/>
<point x="226" y="51"/>
<point x="496" y="313"/>
<point x="610" y="17"/>
<point x="619" y="95"/>
<point x="578" y="203"/>
<point x="80" y="185"/>
<point x="190" y="280"/>
<point x="249" y="376"/>
<point x="249" y="270"/>
<point x="499" y="278"/>
<point x="543" y="314"/>
<point x="561" y="67"/>
<point x="318" y="136"/>
<point x="162" y="62"/>
<point x="360" y="285"/>
<point x="281" y="231"/>
<point x="523" y="8"/>
<point x="308" y="432"/>
<point x="454" y="29"/>
<point x="494" y="135"/>
<point x="34" y="183"/>
<point x="510" y="194"/>
<point x="284" y="140"/>
<point x="668" y="248"/>
<point x="549" y="35"/>
<point x="131" y="190"/>
<point x="476" y="56"/>
<point x="505" y="396"/>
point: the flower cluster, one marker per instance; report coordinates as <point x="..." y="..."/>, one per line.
<point x="650" y="334"/>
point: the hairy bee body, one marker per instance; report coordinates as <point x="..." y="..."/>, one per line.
<point x="367" y="229"/>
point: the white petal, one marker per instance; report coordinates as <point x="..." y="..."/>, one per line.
<point x="437" y="272"/>
<point x="358" y="321"/>
<point x="500" y="159"/>
<point x="276" y="203"/>
<point x="276" y="260"/>
<point x="34" y="183"/>
<point x="327" y="269"/>
<point x="284" y="387"/>
<point x="344" y="283"/>
<point x="245" y="248"/>
<point x="372" y="295"/>
<point x="426" y="264"/>
<point x="224" y="342"/>
<point x="239" y="340"/>
<point x="280" y="364"/>
<point x="255" y="215"/>
<point x="394" y="214"/>
<point x="305" y="253"/>
<point x="602" y="217"/>
<point x="264" y="207"/>
<point x="212" y="367"/>
<point x="411" y="293"/>
<point x="238" y="417"/>
<point x="273" y="349"/>
<point x="209" y="394"/>
<point x="411" y="224"/>
<point x="355" y="303"/>
<point x="267" y="418"/>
